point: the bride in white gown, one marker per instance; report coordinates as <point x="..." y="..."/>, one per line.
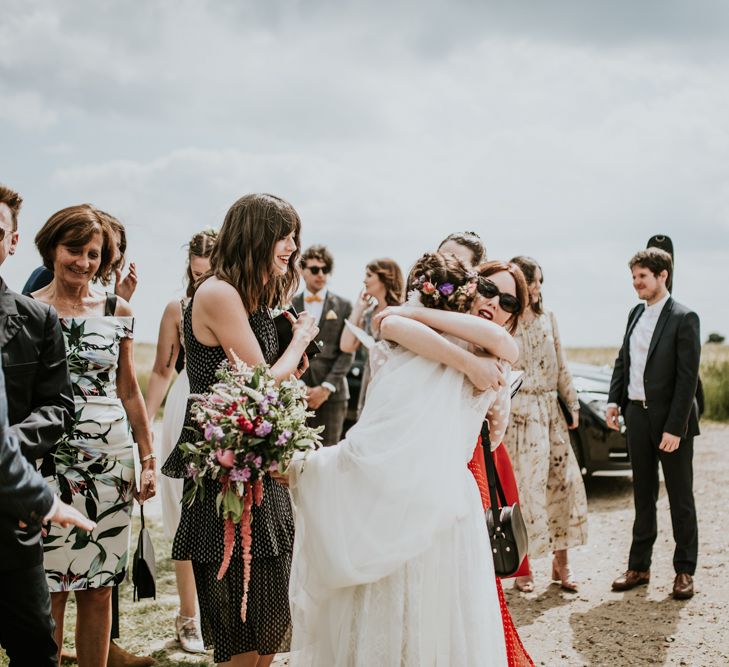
<point x="391" y="562"/>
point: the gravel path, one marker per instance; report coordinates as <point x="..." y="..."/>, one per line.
<point x="644" y="626"/>
<point x="597" y="627"/>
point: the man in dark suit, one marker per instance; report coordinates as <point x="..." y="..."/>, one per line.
<point x="26" y="624"/>
<point x="40" y="397"/>
<point x="654" y="385"/>
<point x="327" y="373"/>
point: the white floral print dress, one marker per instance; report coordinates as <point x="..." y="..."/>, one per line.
<point x="94" y="462"/>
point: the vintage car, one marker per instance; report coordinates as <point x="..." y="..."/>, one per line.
<point x="598" y="448"/>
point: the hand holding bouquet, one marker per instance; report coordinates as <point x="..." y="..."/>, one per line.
<point x="250" y="427"/>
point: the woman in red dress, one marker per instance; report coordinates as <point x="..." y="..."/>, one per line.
<point x="469" y="248"/>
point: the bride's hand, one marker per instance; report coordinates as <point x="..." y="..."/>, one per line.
<point x="486" y="373"/>
<point x="390" y="310"/>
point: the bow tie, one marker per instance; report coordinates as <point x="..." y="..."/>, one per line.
<point x="313" y="298"/>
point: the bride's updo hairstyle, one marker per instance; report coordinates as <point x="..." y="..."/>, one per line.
<point x="443" y="282"/>
<point x="243" y="253"/>
<point x="522" y="291"/>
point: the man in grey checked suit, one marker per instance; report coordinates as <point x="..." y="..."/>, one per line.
<point x="327" y="373"/>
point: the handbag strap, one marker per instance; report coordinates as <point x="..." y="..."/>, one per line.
<point x="141" y="514"/>
<point x="496" y="491"/>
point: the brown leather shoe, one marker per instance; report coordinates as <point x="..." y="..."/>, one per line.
<point x="683" y="586"/>
<point x="631" y="579"/>
<point x="118" y="657"/>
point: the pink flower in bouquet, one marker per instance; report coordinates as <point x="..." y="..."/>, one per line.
<point x="213" y="432"/>
<point x="284" y="437"/>
<point x="273" y="467"/>
<point x="258" y="462"/>
<point x="226" y="457"/>
<point x="263" y="429"/>
<point x="240" y="475"/>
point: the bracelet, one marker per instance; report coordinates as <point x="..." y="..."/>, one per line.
<point x="149" y="457"/>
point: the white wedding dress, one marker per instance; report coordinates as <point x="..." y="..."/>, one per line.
<point x="392" y="564"/>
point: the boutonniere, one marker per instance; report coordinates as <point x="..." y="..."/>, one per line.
<point x="331" y="315"/>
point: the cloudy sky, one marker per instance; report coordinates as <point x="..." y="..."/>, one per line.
<point x="571" y="131"/>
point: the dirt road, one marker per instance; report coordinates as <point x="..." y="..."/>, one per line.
<point x="644" y="626"/>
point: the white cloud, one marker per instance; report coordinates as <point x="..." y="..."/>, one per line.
<point x="25" y="111"/>
<point x="571" y="140"/>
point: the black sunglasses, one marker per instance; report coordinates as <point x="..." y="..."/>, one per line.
<point x="508" y="302"/>
<point x="315" y="269"/>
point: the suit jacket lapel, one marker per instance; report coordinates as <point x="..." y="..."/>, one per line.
<point x="662" y="319"/>
<point x="325" y="308"/>
<point x="10" y="321"/>
<point x="298" y="302"/>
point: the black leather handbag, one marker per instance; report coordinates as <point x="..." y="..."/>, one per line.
<point x="144" y="569"/>
<point x="505" y="523"/>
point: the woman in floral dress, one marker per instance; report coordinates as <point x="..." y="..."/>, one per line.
<point x="94" y="462"/>
<point x="550" y="483"/>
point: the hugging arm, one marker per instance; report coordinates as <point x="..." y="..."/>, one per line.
<point x="422" y="340"/>
<point x="476" y="330"/>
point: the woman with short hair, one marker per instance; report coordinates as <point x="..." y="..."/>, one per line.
<point x="94" y="463"/>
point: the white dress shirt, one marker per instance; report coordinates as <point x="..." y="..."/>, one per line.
<point x="640" y="341"/>
<point x="315" y="308"/>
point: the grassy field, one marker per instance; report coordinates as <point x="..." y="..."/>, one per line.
<point x="714" y="371"/>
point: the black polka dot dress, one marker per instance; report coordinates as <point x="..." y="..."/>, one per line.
<point x="199" y="537"/>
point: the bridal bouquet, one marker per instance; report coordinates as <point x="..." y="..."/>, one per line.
<point x="250" y="427"/>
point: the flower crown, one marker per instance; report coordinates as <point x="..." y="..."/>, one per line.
<point x="455" y="297"/>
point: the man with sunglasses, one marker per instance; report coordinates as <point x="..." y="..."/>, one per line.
<point x="327" y="373"/>
<point x="654" y="385"/>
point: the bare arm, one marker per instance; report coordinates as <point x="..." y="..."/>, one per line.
<point x="168" y="347"/>
<point x="349" y="343"/>
<point x="128" y="391"/>
<point x="219" y="318"/>
<point x="417" y="337"/>
<point x="476" y="330"/>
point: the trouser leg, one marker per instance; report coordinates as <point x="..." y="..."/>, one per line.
<point x="26" y="624"/>
<point x="644" y="461"/>
<point x="330" y="415"/>
<point x="678" y="474"/>
<point x="114" y="634"/>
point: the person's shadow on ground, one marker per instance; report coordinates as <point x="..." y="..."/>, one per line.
<point x="525" y="609"/>
<point x="631" y="629"/>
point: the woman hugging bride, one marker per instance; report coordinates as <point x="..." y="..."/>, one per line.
<point x="391" y="561"/>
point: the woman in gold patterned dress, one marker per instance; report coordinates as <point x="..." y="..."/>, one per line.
<point x="550" y="483"/>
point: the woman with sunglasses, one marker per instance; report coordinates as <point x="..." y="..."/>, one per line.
<point x="389" y="564"/>
<point x="469" y="248"/>
<point x="550" y="483"/>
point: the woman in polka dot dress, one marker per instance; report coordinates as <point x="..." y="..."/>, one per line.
<point x="253" y="268"/>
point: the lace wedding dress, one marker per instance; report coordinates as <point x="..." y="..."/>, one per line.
<point x="392" y="560"/>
